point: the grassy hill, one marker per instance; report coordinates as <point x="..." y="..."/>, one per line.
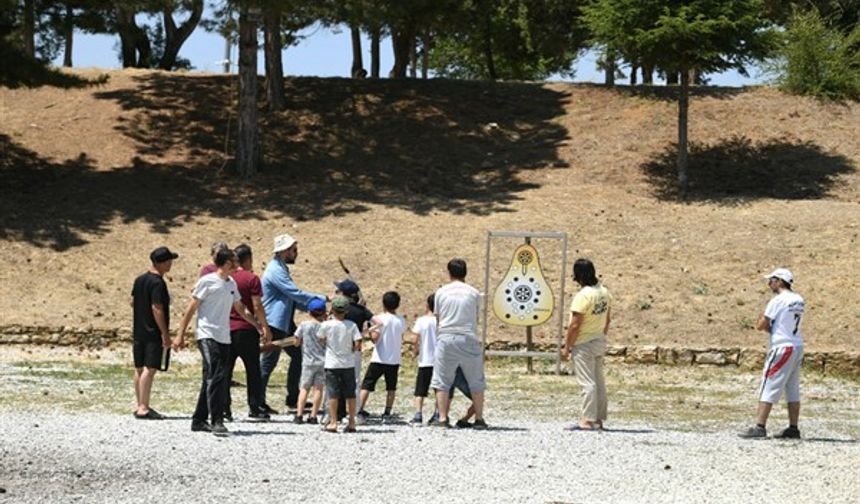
<point x="398" y="177"/>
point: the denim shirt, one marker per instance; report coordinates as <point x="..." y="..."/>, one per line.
<point x="281" y="296"/>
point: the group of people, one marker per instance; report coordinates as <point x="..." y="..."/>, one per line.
<point x="241" y="316"/>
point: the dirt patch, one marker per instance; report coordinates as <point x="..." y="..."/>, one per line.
<point x="397" y="178"/>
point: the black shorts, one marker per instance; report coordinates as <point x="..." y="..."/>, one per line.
<point x="147" y="353"/>
<point x="376" y="370"/>
<point x="340" y="383"/>
<point x="422" y="381"/>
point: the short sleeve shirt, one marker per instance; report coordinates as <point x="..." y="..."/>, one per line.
<point x="313" y="351"/>
<point x="216" y="298"/>
<point x="456" y="305"/>
<point x="249" y="285"/>
<point x="785" y="312"/>
<point x="149" y="289"/>
<point x="387" y="347"/>
<point x="425" y="328"/>
<point x="339" y="339"/>
<point x="593" y="302"/>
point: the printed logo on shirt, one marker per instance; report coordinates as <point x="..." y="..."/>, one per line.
<point x="600" y="306"/>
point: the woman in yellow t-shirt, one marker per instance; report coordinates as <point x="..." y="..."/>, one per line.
<point x="586" y="343"/>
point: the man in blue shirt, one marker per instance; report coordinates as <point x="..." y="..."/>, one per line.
<point x="281" y="297"/>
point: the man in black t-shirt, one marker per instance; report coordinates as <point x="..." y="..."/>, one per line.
<point x="150" y="302"/>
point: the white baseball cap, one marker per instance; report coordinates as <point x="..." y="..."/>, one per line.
<point x="283" y="242"/>
<point x="782" y="274"/>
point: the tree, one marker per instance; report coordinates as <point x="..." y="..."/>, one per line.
<point x="176" y="36"/>
<point x="508" y="39"/>
<point x="818" y="60"/>
<point x="273" y="47"/>
<point x="248" y="143"/>
<point x="680" y="36"/>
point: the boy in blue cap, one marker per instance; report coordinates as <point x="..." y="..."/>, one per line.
<point x="313" y="361"/>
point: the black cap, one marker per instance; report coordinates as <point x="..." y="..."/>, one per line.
<point x="347" y="287"/>
<point x="162" y="254"/>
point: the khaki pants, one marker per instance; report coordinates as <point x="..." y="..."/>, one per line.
<point x="588" y="366"/>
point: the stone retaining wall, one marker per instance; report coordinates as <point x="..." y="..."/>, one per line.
<point x="844" y="363"/>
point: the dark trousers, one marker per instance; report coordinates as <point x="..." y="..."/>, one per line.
<point x="268" y="361"/>
<point x="214" y="386"/>
<point x="245" y="345"/>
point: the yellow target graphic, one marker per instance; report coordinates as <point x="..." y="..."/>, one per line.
<point x="524" y="298"/>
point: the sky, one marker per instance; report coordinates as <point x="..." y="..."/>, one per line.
<point x="323" y="52"/>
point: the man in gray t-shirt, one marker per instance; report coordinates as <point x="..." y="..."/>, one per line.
<point x="213" y="297"/>
<point x="456" y="307"/>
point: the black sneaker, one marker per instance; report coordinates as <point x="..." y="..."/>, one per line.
<point x="417" y="419"/>
<point x="298" y="420"/>
<point x="268" y="410"/>
<point x="363" y="414"/>
<point x="200" y="426"/>
<point x="438" y="423"/>
<point x="313" y="420"/>
<point x="219" y="430"/>
<point x="463" y="424"/>
<point x="228" y="416"/>
<point x="259" y="416"/>
<point x="789" y="433"/>
<point x="754" y="432"/>
<point x="480" y="424"/>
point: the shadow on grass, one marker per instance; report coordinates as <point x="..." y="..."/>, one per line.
<point x="670" y="93"/>
<point x="737" y="169"/>
<point x="18" y="70"/>
<point x="341" y="146"/>
<point x="830" y="440"/>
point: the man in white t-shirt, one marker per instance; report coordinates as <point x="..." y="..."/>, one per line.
<point x="456" y="306"/>
<point x="387" y="335"/>
<point x="212" y="299"/>
<point x="781" y="319"/>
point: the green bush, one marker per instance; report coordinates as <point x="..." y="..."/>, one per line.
<point x="818" y="60"/>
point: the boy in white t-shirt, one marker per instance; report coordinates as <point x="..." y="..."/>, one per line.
<point x="387" y="335"/>
<point x="313" y="361"/>
<point x="781" y="319"/>
<point x="341" y="338"/>
<point x="424" y="348"/>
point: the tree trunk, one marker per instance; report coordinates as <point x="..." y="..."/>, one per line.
<point x="425" y="53"/>
<point x="174" y="37"/>
<point x="29" y="34"/>
<point x="274" y="44"/>
<point x="228" y="49"/>
<point x="413" y="57"/>
<point x="671" y="78"/>
<point x="400" y="43"/>
<point x="488" y="47"/>
<point x="647" y="74"/>
<point x="68" y="35"/>
<point x="143" y="47"/>
<point x="357" y="70"/>
<point x="683" y="104"/>
<point x="125" y="28"/>
<point x="375" y="35"/>
<point x="609" y="67"/>
<point x="247" y="149"/>
<point x="633" y="70"/>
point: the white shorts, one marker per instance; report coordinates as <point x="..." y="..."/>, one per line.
<point x="781" y="372"/>
<point x="465" y="352"/>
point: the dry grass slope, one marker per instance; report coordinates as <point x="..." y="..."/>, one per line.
<point x="397" y="177"/>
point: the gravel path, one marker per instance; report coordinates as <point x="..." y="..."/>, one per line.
<point x="108" y="458"/>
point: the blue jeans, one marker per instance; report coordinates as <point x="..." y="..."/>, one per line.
<point x="268" y="362"/>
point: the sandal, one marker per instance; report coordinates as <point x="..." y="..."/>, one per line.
<point x="333" y="431"/>
<point x="350" y="429"/>
<point x="149" y="415"/>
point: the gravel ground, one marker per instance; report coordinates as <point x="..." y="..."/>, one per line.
<point x="65" y="457"/>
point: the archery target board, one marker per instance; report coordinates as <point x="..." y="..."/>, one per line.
<point x="524" y="297"/>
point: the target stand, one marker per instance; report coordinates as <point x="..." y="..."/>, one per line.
<point x="524" y="297"/>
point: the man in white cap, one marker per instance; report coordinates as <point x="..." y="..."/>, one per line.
<point x="781" y="319"/>
<point x="281" y="297"/>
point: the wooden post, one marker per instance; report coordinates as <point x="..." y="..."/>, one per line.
<point x="529" y="360"/>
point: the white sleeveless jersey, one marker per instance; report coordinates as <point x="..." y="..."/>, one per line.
<point x="785" y="312"/>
